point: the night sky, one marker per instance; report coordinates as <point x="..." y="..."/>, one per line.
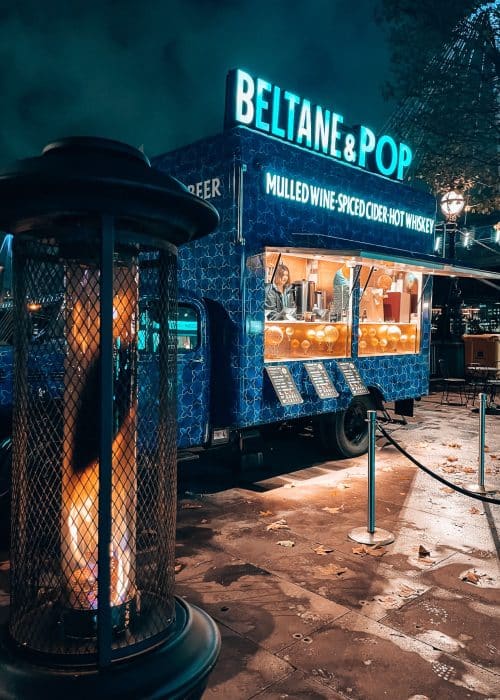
<point x="153" y="73"/>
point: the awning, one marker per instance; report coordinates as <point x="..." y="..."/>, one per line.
<point x="426" y="264"/>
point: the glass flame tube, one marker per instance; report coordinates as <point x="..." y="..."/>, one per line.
<point x="80" y="487"/>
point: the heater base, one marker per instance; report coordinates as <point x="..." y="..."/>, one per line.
<point x="177" y="669"/>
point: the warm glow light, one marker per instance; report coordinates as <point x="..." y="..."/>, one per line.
<point x="82" y="528"/>
<point x="33" y="306"/>
<point x="80" y="487"/>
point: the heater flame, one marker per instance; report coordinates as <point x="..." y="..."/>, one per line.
<point x="80" y="517"/>
<point x="82" y="533"/>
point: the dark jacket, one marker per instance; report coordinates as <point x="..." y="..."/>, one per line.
<point x="274" y="303"/>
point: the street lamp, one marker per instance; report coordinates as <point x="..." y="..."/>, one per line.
<point x="452" y="205"/>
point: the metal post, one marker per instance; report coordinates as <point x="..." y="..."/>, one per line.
<point x="482" y="434"/>
<point x="480" y="487"/>
<point x="372" y="422"/>
<point x="104" y="622"/>
<point x="371" y="535"/>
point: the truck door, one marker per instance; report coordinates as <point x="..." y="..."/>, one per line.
<point x="193" y="367"/>
<point x="193" y="374"/>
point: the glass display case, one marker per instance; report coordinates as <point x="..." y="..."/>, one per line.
<point x="389" y="310"/>
<point x="294" y="340"/>
<point x="307" y="306"/>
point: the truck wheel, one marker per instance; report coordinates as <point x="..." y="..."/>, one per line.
<point x="5" y="482"/>
<point x="345" y="434"/>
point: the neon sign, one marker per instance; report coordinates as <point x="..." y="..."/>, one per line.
<point x="344" y="204"/>
<point x="264" y="107"/>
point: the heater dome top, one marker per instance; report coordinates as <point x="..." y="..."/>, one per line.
<point x="77" y="179"/>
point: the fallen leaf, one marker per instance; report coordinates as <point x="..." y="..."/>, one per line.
<point x="449" y="470"/>
<point x="286" y="543"/>
<point x="278" y="525"/>
<point x="474" y="511"/>
<point x="322" y="550"/>
<point x="465" y="637"/>
<point x="456" y="445"/>
<point x="494" y="456"/>
<point x="178" y="567"/>
<point x="472" y="577"/>
<point x="423" y="552"/>
<point x="447" y="489"/>
<point x="387" y="469"/>
<point x="469" y="470"/>
<point x="367" y="662"/>
<point x="339" y="509"/>
<point x="342" y="486"/>
<point x="265" y="513"/>
<point x="360" y="549"/>
<point x="333" y="569"/>
<point x="189" y="506"/>
<point x="452" y="459"/>
<point x="406" y="592"/>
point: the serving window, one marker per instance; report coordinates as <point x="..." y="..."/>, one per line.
<point x="389" y="310"/>
<point x="307" y="305"/>
<point x="186" y="327"/>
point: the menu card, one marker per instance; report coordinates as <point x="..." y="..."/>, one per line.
<point x="351" y="375"/>
<point x="320" y="380"/>
<point x="284" y="386"/>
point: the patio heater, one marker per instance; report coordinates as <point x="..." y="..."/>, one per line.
<point x="93" y="612"/>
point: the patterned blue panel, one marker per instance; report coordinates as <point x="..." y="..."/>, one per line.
<point x="279" y="222"/>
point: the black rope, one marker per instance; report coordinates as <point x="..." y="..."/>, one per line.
<point x="428" y="471"/>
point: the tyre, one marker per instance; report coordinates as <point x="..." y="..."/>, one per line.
<point x="345" y="434"/>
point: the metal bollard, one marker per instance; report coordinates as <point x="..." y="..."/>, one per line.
<point x="371" y="535"/>
<point x="480" y="487"/>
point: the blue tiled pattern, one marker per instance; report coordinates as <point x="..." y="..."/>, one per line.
<point x="229" y="272"/>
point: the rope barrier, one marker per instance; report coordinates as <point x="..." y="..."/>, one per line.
<point x="428" y="471"/>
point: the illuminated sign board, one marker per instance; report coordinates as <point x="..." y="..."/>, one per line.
<point x="264" y="107"/>
<point x="309" y="194"/>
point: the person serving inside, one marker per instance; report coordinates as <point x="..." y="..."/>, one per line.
<point x="277" y="303"/>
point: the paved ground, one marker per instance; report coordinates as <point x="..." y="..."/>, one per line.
<point x="298" y="623"/>
<point x="325" y="618"/>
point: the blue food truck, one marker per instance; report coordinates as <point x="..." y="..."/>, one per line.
<point x="312" y="300"/>
<point x="316" y="289"/>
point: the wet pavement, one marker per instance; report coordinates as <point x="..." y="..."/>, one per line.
<point x="305" y="612"/>
<point x="327" y="618"/>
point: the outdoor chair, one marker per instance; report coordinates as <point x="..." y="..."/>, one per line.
<point x="492" y="385"/>
<point x="475" y="380"/>
<point x="453" y="387"/>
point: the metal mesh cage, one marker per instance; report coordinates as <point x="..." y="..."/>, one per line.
<point x="93" y="556"/>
